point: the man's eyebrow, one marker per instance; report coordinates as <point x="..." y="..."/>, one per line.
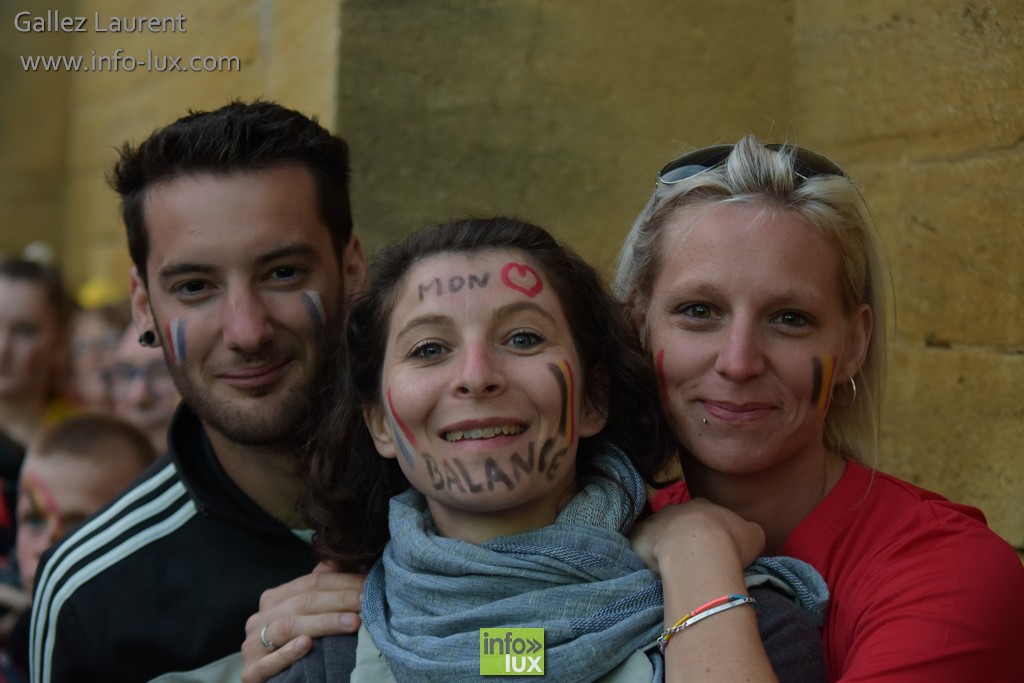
<point x="301" y="249"/>
<point x="176" y="269"/>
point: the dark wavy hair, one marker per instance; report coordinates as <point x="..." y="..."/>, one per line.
<point x="349" y="484"/>
<point x="239" y="136"/>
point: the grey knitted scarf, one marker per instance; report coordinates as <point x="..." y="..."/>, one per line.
<point x="427" y="598"/>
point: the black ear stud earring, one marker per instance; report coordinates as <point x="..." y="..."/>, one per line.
<point x="147" y="338"/>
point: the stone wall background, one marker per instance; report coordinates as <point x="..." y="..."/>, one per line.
<point x="562" y="112"/>
<point x="60" y="131"/>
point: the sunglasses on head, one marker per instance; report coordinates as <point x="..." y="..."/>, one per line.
<point x="806" y="164"/>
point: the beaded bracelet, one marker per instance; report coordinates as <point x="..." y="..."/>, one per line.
<point x="703" y="612"/>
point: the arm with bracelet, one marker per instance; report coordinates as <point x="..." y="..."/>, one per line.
<point x="706" y="610"/>
<point x="744" y="633"/>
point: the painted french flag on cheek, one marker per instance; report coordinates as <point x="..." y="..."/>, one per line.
<point x="315" y="309"/>
<point x="176" y="336"/>
<point x="406" y="440"/>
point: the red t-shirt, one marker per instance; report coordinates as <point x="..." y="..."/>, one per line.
<point x="922" y="589"/>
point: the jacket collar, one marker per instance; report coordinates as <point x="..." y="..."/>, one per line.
<point x="213" y="491"/>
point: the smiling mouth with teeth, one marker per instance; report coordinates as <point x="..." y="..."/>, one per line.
<point x="484" y="433"/>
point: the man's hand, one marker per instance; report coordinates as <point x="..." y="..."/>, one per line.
<point x="323" y="603"/>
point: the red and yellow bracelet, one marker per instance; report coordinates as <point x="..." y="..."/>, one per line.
<point x="703" y="612"/>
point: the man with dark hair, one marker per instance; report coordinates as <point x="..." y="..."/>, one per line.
<point x="240" y="231"/>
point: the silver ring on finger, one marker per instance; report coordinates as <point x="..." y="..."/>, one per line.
<point x="263" y="639"/>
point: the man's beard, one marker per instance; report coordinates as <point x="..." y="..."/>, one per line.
<point x="274" y="424"/>
<point x="278" y="421"/>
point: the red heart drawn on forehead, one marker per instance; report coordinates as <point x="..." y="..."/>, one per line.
<point x="522" y="278"/>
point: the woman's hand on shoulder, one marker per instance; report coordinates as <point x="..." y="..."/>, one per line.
<point x="699" y="550"/>
<point x="697" y="531"/>
<point x="323" y="603"/>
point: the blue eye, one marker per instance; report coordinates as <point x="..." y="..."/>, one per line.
<point x="524" y="339"/>
<point x="427" y="349"/>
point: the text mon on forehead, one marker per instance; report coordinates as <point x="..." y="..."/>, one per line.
<point x="454" y="284"/>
